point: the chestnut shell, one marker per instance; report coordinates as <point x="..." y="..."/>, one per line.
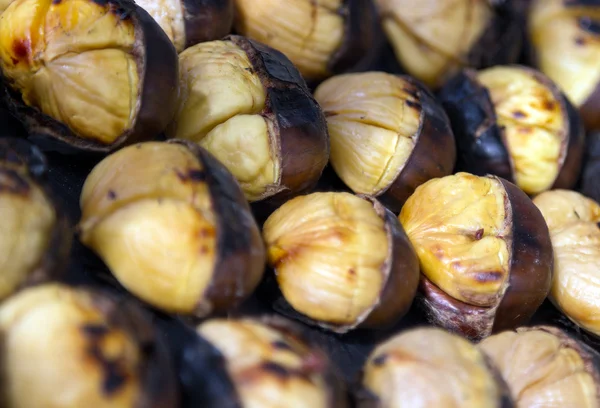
<point x="591" y="169"/>
<point x="206" y="20"/>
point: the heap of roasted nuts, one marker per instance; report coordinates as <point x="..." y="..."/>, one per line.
<point x="299" y="203"/>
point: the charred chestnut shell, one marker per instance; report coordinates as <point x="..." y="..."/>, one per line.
<point x="173" y="226"/>
<point x="485" y="253"/>
<point x="267" y="129"/>
<point x="114" y="356"/>
<point x="515" y="123"/>
<point x="105" y="79"/>
<point x="591" y="169"/>
<point x="340" y="262"/>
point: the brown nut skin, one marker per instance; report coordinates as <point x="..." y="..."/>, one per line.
<point x="519" y="296"/>
<point x="400" y="270"/>
<point x="591" y="168"/>
<point x="433" y="153"/>
<point x="115" y="357"/>
<point x="156" y="78"/>
<point x="220" y="238"/>
<point x="481" y="142"/>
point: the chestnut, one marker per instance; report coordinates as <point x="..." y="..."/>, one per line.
<point x="189" y="22"/>
<point x="89" y="75"/>
<point x="173" y="226"/>
<point x="247" y="104"/>
<point x="565" y="42"/>
<point x="341" y="261"/>
<point x="321" y="38"/>
<point x="270" y="364"/>
<point x="485" y="253"/>
<point x="434" y="39"/>
<point x="574" y="224"/>
<point x="512" y="121"/>
<point x="428" y="367"/>
<point x="591" y="168"/>
<point x="35" y="235"/>
<point x="388" y="134"/>
<point x="545" y="367"/>
<point x="73" y="347"/>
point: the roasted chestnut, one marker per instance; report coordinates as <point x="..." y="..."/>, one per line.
<point x="434" y="39"/>
<point x="484" y="250"/>
<point x="321" y="38"/>
<point x="73" y="348"/>
<point x="247" y="104"/>
<point x="35" y="235"/>
<point x="270" y="364"/>
<point x="544" y="367"/>
<point x="574" y="224"/>
<point x="173" y="226"/>
<point x="87" y="74"/>
<point x="565" y="42"/>
<point x="189" y="22"/>
<point x="512" y="121"/>
<point x="388" y="134"/>
<point x="341" y="261"/>
<point x="591" y="169"/>
<point x="428" y="367"/>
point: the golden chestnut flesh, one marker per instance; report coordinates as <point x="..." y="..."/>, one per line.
<point x="173" y="227"/>
<point x="573" y="222"/>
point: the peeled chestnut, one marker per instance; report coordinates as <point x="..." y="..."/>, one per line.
<point x="573" y="221"/>
<point x="321" y="38"/>
<point x="35" y="235"/>
<point x="484" y="250"/>
<point x="565" y="42"/>
<point x="173" y="227"/>
<point x="270" y="365"/>
<point x="428" y="367"/>
<point x="341" y="261"/>
<point x="247" y="104"/>
<point x="72" y="348"/>
<point x="545" y="367"/>
<point x="189" y="22"/>
<point x="388" y="134"/>
<point x="512" y="121"/>
<point x="434" y="39"/>
<point x="87" y="75"/>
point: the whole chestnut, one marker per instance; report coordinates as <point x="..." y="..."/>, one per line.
<point x="87" y="75"/>
<point x="513" y="122"/>
<point x="485" y="253"/>
<point x="388" y="134"/>
<point x="341" y="261"/>
<point x="173" y="227"/>
<point x="248" y="105"/>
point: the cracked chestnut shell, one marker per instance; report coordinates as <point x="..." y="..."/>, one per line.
<point x="388" y="134"/>
<point x="565" y="40"/>
<point x="72" y="347"/>
<point x="173" y="227"/>
<point x="267" y="129"/>
<point x="321" y="37"/>
<point x="485" y="253"/>
<point x="189" y="22"/>
<point x="428" y="367"/>
<point x="434" y="39"/>
<point x="35" y="235"/>
<point x="87" y="75"/>
<point x="574" y="224"/>
<point x="341" y="261"/>
<point x="544" y="367"/>
<point x="513" y="122"/>
<point x="268" y="361"/>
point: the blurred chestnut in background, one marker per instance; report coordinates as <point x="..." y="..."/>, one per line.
<point x="591" y="169"/>
<point x="248" y="105"/>
<point x="341" y="261"/>
<point x="565" y="43"/>
<point x="388" y="134"/>
<point x="84" y="74"/>
<point x="173" y="226"/>
<point x="484" y="250"/>
<point x="513" y="122"/>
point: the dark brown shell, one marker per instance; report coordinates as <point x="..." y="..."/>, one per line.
<point x="590" y="185"/>
<point x="206" y="20"/>
<point x="590" y="110"/>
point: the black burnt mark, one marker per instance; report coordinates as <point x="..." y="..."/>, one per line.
<point x="191" y="175"/>
<point x="380" y="360"/>
<point x="250" y="70"/>
<point x="330" y="113"/>
<point x="577" y="214"/>
<point x="56" y="1"/>
<point x="12" y="182"/>
<point x="598" y="224"/>
<point x="276" y="369"/>
<point x="479" y="234"/>
<point x="412" y="92"/>
<point x="518" y="114"/>
<point x="95" y="331"/>
<point x="491" y="276"/>
<point x="112" y="195"/>
<point x="415" y="105"/>
<point x="589" y="25"/>
<point x="351" y="272"/>
<point x="281" y="345"/>
<point x="580" y="41"/>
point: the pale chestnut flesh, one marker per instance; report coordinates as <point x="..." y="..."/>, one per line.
<point x="169" y="14"/>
